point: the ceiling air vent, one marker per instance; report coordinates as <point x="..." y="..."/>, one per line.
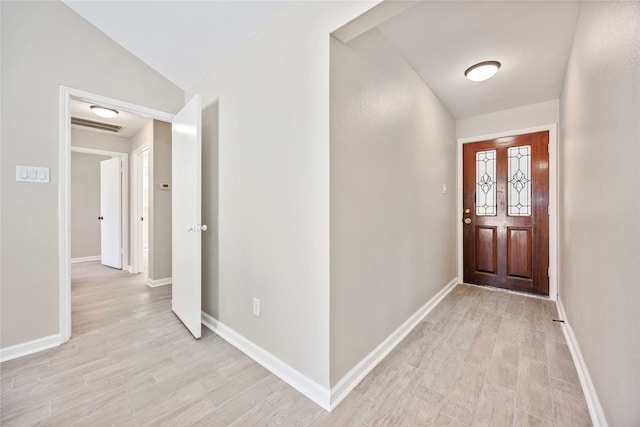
<point x="96" y="125"/>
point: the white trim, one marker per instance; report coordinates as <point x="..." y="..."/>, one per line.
<point x="366" y="365"/>
<point x="293" y="377"/>
<point x="322" y="396"/>
<point x="98" y="152"/>
<point x="160" y="282"/>
<point x="29" y="347"/>
<point x="85" y="259"/>
<point x="124" y="202"/>
<point x="591" y="396"/>
<point x="64" y="206"/>
<point x="136" y="168"/>
<point x="553" y="197"/>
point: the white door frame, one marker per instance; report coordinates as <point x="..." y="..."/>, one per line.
<point x="553" y="198"/>
<point x="136" y="190"/>
<point x="124" y="203"/>
<point x="64" y="188"/>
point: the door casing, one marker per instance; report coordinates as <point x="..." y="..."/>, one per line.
<point x="553" y="198"/>
<point x="64" y="187"/>
<point x="136" y="209"/>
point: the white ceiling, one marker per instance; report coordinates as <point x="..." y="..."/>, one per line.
<point x="182" y="40"/>
<point x="532" y="40"/>
<point x="132" y="123"/>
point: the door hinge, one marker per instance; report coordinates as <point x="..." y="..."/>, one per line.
<point x="548" y="271"/>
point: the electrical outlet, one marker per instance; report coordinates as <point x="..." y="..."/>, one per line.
<point x="256" y="307"/>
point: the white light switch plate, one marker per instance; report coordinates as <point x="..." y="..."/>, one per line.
<point x="32" y="174"/>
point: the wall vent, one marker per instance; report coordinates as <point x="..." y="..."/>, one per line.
<point x="96" y="125"/>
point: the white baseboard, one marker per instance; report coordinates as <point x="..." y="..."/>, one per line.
<point x="595" y="409"/>
<point x="366" y="365"/>
<point x="293" y="377"/>
<point x="159" y="282"/>
<point x="86" y="259"/>
<point x="322" y="396"/>
<point x="29" y="347"/>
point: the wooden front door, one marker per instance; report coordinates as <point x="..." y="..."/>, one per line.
<point x="505" y="212"/>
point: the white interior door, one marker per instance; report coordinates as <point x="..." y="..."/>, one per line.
<point x="110" y="212"/>
<point x="186" y="147"/>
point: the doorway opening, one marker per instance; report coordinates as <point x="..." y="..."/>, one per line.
<point x="99" y="206"/>
<point x="513" y="270"/>
<point x="67" y="97"/>
<point x="505" y="193"/>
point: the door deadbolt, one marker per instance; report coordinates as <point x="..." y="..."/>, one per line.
<point x="467" y="211"/>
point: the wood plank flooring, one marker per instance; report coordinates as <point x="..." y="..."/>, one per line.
<point x="480" y="358"/>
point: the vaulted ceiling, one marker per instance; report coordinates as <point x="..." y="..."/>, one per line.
<point x="183" y="40"/>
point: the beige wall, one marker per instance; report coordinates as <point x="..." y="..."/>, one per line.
<point x="393" y="232"/>
<point x="85" y="204"/>
<point x="210" y="185"/>
<point x="273" y="187"/>
<point x="38" y="57"/>
<point x="600" y="202"/>
<point x="527" y="116"/>
<point x="99" y="141"/>
<point x="143" y="137"/>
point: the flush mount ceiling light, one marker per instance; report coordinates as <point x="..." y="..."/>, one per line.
<point x="482" y="71"/>
<point x="105" y="112"/>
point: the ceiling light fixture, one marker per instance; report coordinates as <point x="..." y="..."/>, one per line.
<point x="482" y="71"/>
<point x="105" y="112"/>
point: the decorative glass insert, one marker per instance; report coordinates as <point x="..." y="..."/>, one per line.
<point x="486" y="183"/>
<point x="519" y="174"/>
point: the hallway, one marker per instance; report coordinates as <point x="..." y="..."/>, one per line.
<point x="481" y="357"/>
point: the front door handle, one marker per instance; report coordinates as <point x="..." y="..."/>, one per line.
<point x="467" y="221"/>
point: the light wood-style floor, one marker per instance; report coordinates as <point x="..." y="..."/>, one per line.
<point x="480" y="358"/>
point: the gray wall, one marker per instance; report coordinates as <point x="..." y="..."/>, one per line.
<point x="45" y="45"/>
<point x="600" y="202"/>
<point x="160" y="203"/>
<point x="85" y="204"/>
<point x="393" y="232"/>
<point x="157" y="136"/>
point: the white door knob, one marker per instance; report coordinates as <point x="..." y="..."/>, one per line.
<point x="203" y="227"/>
